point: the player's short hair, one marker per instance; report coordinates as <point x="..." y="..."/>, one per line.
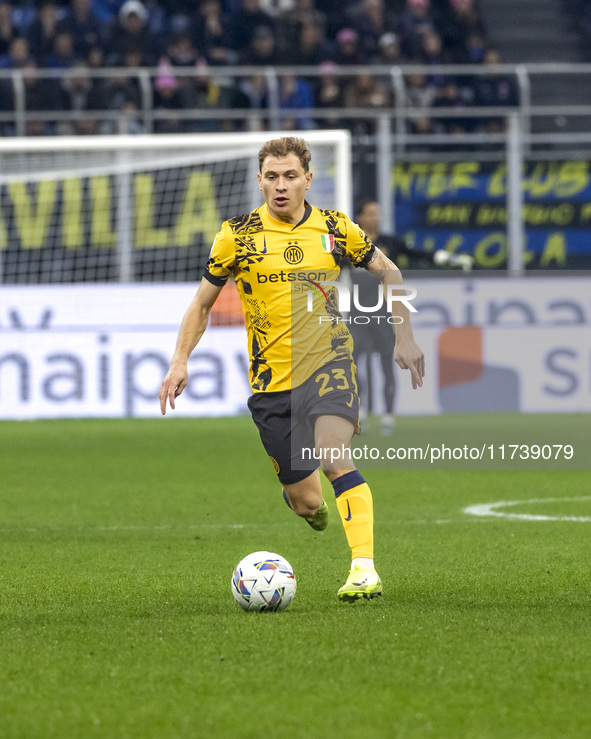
<point x="284" y="146"/>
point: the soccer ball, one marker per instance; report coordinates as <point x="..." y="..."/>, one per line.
<point x="263" y="581"/>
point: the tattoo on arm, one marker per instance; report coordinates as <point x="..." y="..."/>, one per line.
<point x="379" y="264"/>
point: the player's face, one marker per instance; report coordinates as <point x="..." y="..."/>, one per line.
<point x="369" y="218"/>
<point x="283" y="183"/>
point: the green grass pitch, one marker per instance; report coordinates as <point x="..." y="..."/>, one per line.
<point x="117" y="544"/>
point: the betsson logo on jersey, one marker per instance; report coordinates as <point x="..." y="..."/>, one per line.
<point x="286" y="276"/>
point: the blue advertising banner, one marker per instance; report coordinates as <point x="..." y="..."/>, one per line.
<point x="461" y="207"/>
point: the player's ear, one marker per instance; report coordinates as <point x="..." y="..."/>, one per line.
<point x="308" y="180"/>
<point x="259" y="180"/>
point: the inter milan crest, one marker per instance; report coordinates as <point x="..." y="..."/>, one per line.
<point x="293" y="254"/>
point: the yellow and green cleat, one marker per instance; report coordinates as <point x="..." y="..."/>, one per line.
<point x="361" y="583"/>
<point x="319" y="521"/>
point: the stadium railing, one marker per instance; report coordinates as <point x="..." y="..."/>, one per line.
<point x="526" y="77"/>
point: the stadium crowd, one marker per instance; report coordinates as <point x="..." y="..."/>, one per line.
<point x="85" y="35"/>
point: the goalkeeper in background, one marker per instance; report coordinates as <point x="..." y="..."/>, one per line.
<point x="304" y="399"/>
<point x="378" y="337"/>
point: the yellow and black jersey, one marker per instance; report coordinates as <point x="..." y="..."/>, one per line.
<point x="275" y="265"/>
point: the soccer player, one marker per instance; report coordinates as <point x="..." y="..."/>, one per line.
<point x="368" y="216"/>
<point x="379" y="336"/>
<point x="301" y="369"/>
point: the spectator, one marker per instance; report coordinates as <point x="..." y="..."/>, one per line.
<point x="15" y="58"/>
<point x="262" y="50"/>
<point x="295" y="92"/>
<point x="62" y="56"/>
<point x="494" y="90"/>
<point x="460" y="21"/>
<point x="129" y="123"/>
<point x="276" y="7"/>
<point x="177" y="9"/>
<point x="368" y="92"/>
<point x="131" y="31"/>
<point x="450" y="97"/>
<point x="210" y="95"/>
<point x="419" y="95"/>
<point x="311" y="47"/>
<point x="474" y="48"/>
<point x="84" y="27"/>
<point x="17" y="55"/>
<point x="158" y="19"/>
<point x="106" y="10"/>
<point x="433" y="54"/>
<point x="42" y="32"/>
<point x="181" y="52"/>
<point x="246" y="21"/>
<point x="254" y="89"/>
<point x="166" y="98"/>
<point x="210" y="33"/>
<point x="388" y="50"/>
<point x="291" y="22"/>
<point x="97" y="96"/>
<point x="7" y="30"/>
<point x="371" y="20"/>
<point x="330" y="94"/>
<point x="41" y="96"/>
<point x="95" y="58"/>
<point x="122" y="93"/>
<point x="80" y="94"/>
<point x="473" y="53"/>
<point x="337" y="15"/>
<point x="414" y="21"/>
<point x="348" y="50"/>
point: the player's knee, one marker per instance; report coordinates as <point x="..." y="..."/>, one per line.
<point x="335" y="454"/>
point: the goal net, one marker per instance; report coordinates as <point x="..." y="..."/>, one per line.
<point x="137" y="208"/>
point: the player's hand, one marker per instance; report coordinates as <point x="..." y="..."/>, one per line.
<point x="408" y="355"/>
<point x="173" y="385"/>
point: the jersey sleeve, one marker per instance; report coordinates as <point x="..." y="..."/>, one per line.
<point x="359" y="247"/>
<point x="222" y="257"/>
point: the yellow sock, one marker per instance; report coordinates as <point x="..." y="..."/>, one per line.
<point x="355" y="506"/>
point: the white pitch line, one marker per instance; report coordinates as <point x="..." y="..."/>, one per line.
<point x="220" y="526"/>
<point x="164" y="527"/>
<point x="489" y="509"/>
<point x="482" y="511"/>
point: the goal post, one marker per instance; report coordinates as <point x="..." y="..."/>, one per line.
<point x="138" y="208"/>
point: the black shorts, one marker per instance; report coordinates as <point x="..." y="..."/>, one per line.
<point x="286" y="419"/>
